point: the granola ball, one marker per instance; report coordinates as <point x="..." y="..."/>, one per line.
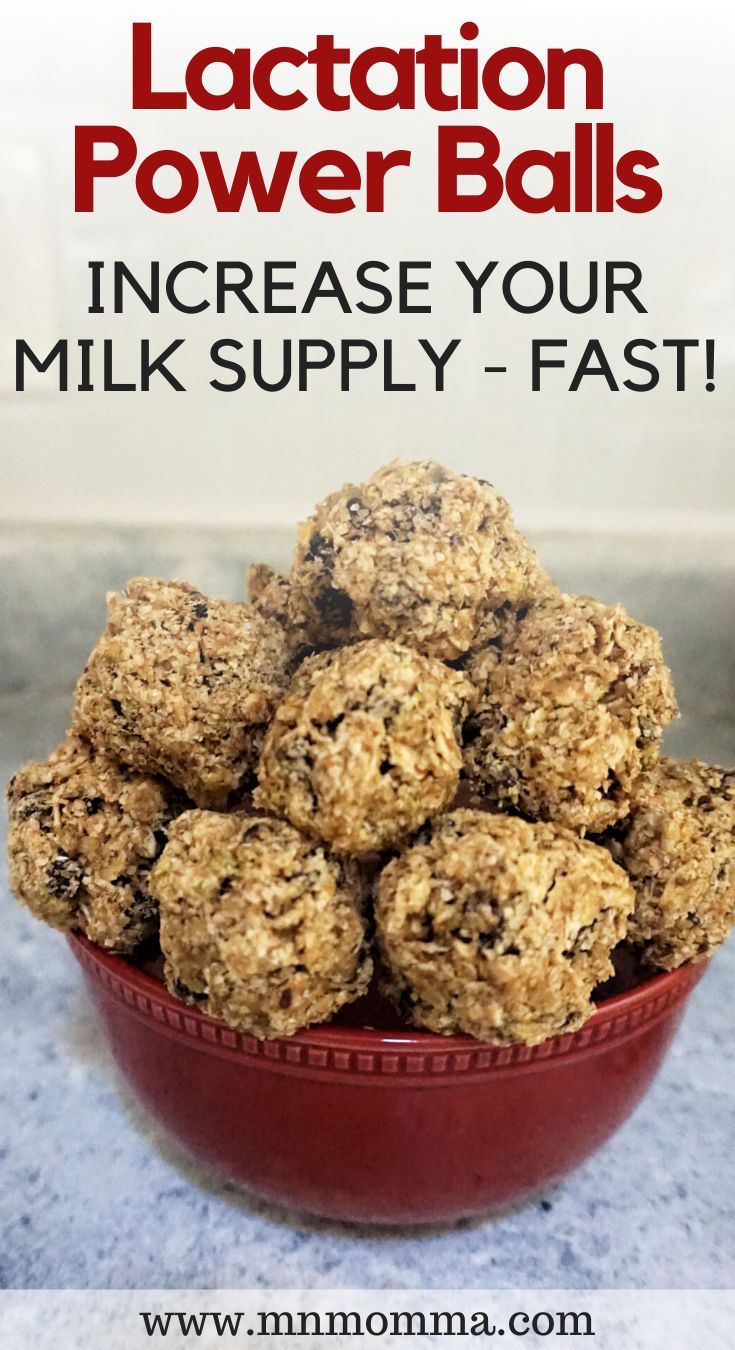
<point x="183" y="686"/>
<point x="678" y="847"/>
<point x="572" y="700"/>
<point x="365" y="747"/>
<point x="259" y="926"/>
<point x="84" y="834"/>
<point x="416" y="553"/>
<point x="498" y="928"/>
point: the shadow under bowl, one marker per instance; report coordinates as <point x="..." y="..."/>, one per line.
<point x="369" y="1124"/>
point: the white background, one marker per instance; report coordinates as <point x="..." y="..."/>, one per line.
<point x="655" y="1319"/>
<point x="652" y="461"/>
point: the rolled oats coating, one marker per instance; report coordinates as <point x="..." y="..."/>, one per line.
<point x="183" y="686"/>
<point x="365" y="747"/>
<point x="417" y="688"/>
<point x="417" y="554"/>
<point x="259" y="926"/>
<point x="573" y="697"/>
<point x="498" y="928"/>
<point x="84" y="833"/>
<point x="678" y="847"/>
<point x="268" y="591"/>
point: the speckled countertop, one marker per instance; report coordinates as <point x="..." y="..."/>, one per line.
<point x="92" y="1195"/>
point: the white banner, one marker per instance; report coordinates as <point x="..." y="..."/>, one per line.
<point x="620" y="1319"/>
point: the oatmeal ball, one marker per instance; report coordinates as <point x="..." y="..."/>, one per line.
<point x="365" y="747"/>
<point x="84" y="834"/>
<point x="572" y="700"/>
<point x="183" y="686"/>
<point x="500" y="929"/>
<point x="416" y="553"/>
<point x="678" y="848"/>
<point x="259" y="926"/>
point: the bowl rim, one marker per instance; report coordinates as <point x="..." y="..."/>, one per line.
<point x="614" y="1019"/>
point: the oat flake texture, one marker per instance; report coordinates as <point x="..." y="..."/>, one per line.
<point x="259" y="926"/>
<point x="84" y="833"/>
<point x="268" y="591"/>
<point x="413" y="734"/>
<point x="418" y="554"/>
<point x="573" y="696"/>
<point x="365" y="747"/>
<point x="184" y="686"/>
<point x="498" y="928"/>
<point x="678" y="848"/>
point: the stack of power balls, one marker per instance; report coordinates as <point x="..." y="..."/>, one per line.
<point x="413" y="739"/>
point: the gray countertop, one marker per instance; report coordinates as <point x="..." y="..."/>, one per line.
<point x="94" y="1195"/>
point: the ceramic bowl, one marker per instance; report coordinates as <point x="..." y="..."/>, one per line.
<point x="372" y="1124"/>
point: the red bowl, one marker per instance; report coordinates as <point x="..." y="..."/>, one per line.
<point x="383" y="1126"/>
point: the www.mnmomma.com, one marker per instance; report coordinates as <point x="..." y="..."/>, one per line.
<point x="375" y="1324"/>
